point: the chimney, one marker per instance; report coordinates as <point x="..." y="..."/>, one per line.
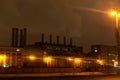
<point x="64" y="40"/>
<point x="50" y="39"/>
<point x="57" y="40"/>
<point x="42" y="38"/>
<point x="22" y="41"/>
<point x="21" y="38"/>
<point x="24" y="37"/>
<point x="16" y="37"/>
<point x="13" y="38"/>
<point x="71" y="42"/>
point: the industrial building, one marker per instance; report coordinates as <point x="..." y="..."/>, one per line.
<point x="105" y="52"/>
<point x="58" y="51"/>
<point x="56" y="48"/>
<point x="12" y="57"/>
<point x="19" y="54"/>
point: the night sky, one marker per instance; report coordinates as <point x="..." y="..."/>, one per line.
<point x="88" y="22"/>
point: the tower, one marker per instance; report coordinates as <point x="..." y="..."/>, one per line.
<point x="50" y="39"/>
<point x="15" y="35"/>
<point x="57" y="40"/>
<point x="64" y="40"/>
<point x="18" y="37"/>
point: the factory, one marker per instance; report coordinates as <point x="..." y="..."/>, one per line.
<point x="21" y="54"/>
<point x="13" y="56"/>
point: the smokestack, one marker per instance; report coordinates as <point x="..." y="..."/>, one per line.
<point x="64" y="40"/>
<point x="42" y="38"/>
<point x="13" y="38"/>
<point x="16" y="37"/>
<point x="71" y="42"/>
<point x="21" y="38"/>
<point x="50" y="39"/>
<point x="57" y="40"/>
<point x="24" y="37"/>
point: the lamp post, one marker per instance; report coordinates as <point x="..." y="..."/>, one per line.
<point x="116" y="13"/>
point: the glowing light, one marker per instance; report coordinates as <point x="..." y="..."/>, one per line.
<point x="70" y="59"/>
<point x="101" y="62"/>
<point x="18" y="50"/>
<point x="3" y="59"/>
<point x="115" y="63"/>
<point x="77" y="60"/>
<point x="113" y="60"/>
<point x="119" y="15"/>
<point x="96" y="50"/>
<point x="113" y="13"/>
<point x="32" y="57"/>
<point x="6" y="66"/>
<point x="47" y="59"/>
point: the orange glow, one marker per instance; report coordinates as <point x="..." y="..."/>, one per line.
<point x="77" y="60"/>
<point x="70" y="59"/>
<point x="113" y="13"/>
<point x="119" y="15"/>
<point x="32" y="57"/>
<point x="3" y="59"/>
<point x="101" y="62"/>
<point x="47" y="59"/>
<point x="115" y="63"/>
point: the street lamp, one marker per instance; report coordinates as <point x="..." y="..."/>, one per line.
<point x="116" y="13"/>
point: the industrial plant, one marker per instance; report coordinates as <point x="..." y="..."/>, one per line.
<point x="53" y="53"/>
<point x="19" y="54"/>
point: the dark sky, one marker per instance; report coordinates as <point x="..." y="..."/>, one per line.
<point x="83" y="20"/>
